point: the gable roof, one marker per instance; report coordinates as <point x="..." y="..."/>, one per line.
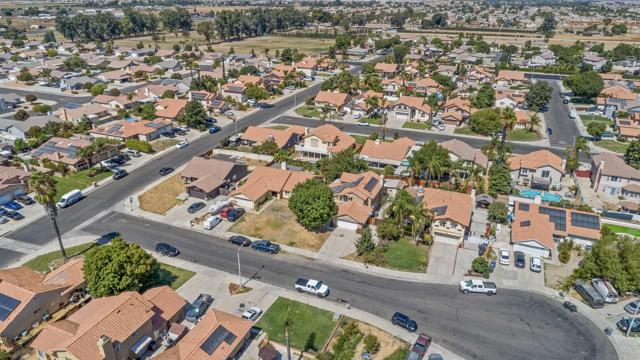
<point x="535" y="160"/>
<point x="414" y="102"/>
<point x="396" y="150"/>
<point x="337" y="99"/>
<point x="465" y="152"/>
<point x="10" y="176"/>
<point x="387" y="68"/>
<point x="614" y="165"/>
<point x="170" y="108"/>
<point x="510" y="75"/>
<point x="127" y="129"/>
<point x="619" y="92"/>
<point x="280" y="137"/>
<point x="209" y="173"/>
<point x="266" y="179"/>
<point x="452" y="205"/>
<point x="365" y="186"/>
<point x="329" y="133"/>
<point x="356" y="211"/>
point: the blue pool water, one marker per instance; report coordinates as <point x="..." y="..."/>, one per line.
<point x="530" y="194"/>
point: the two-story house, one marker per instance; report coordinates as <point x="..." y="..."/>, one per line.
<point x="324" y="141"/>
<point x="357" y="196"/>
<point x="379" y="154"/>
<point x="411" y="108"/>
<point x="610" y="175"/>
<point x="452" y="213"/>
<point x="335" y="100"/>
<point x="540" y="169"/>
<point x="461" y="151"/>
<point x="284" y="139"/>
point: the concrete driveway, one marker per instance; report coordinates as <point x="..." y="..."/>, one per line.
<point x="448" y="263"/>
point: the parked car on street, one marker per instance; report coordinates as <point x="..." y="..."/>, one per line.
<point x="195" y="207"/>
<point x="252" y="314"/>
<point x="311" y="286"/>
<point x="535" y="264"/>
<point x="12" y="205"/>
<point x="239" y="240"/>
<point x="363" y="123"/>
<point x="211" y="222"/>
<point x="419" y="347"/>
<point x="549" y="131"/>
<point x="478" y="286"/>
<point x="70" y="198"/>
<point x="265" y="246"/>
<point x="623" y="325"/>
<point x="167" y="250"/>
<point x="25" y="200"/>
<point x="182" y="144"/>
<point x="236" y="214"/>
<point x="119" y="174"/>
<point x="519" y="259"/>
<point x="198" y="307"/>
<point x="214" y="129"/>
<point x="405" y="322"/>
<point x="632" y="306"/>
<point x="505" y="256"/>
<point x="570" y="306"/>
<point x="165" y="171"/>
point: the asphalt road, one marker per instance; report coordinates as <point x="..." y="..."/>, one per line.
<point x="557" y="118"/>
<point x="512" y="325"/>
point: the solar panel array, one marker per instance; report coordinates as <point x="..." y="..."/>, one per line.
<point x="371" y="184"/>
<point x="155" y="125"/>
<point x="587" y="221"/>
<point x="7" y="305"/>
<point x="51" y="147"/>
<point x="235" y="89"/>
<point x="624" y="122"/>
<point x="343" y="186"/>
<point x="556" y="216"/>
<point x="440" y="210"/>
<point x="220" y="335"/>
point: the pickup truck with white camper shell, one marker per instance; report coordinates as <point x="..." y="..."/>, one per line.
<point x="311" y="286"/>
<point x="478" y="286"/>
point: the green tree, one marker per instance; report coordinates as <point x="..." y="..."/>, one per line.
<point x="371" y="344"/>
<point x="97" y="89"/>
<point x="365" y="244"/>
<point x="586" y="84"/>
<point x="195" y="115"/>
<point x="498" y="212"/>
<point x="499" y="179"/>
<point x="481" y="266"/>
<point x="596" y="129"/>
<point x="49" y="37"/>
<point x="388" y="230"/>
<point x="44" y="187"/>
<point x="41" y="108"/>
<point x="20" y="145"/>
<point x="346" y="160"/>
<point x="484" y="98"/>
<point x="564" y="251"/>
<point x="256" y="92"/>
<point x="21" y="115"/>
<point x="24" y="75"/>
<point x="168" y="94"/>
<point x="148" y="111"/>
<point x="538" y="95"/>
<point x="207" y="30"/>
<point x="30" y="98"/>
<point x="74" y="63"/>
<point x="485" y="121"/>
<point x="632" y="154"/>
<point x="619" y="29"/>
<point x="120" y="266"/>
<point x="312" y="204"/>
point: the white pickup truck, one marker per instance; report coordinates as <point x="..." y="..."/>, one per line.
<point x="311" y="286"/>
<point x="478" y="286"/>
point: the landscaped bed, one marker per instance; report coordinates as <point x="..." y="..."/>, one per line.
<point x="163" y="196"/>
<point x="78" y="180"/>
<point x="278" y="224"/>
<point x="622" y="229"/>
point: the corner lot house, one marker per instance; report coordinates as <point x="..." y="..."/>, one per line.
<point x="380" y="154"/>
<point x="610" y="175"/>
<point x="536" y="229"/>
<point x="540" y="169"/>
<point x="285" y="139"/>
<point x="324" y="141"/>
<point x="145" y="130"/>
<point x="27" y="295"/>
<point x="66" y="151"/>
<point x="170" y="109"/>
<point x="95" y="112"/>
<point x="264" y="183"/>
<point x="112" y="328"/>
<point x="207" y="178"/>
<point x="13" y="183"/>
<point x="451" y="214"/>
<point x="510" y="78"/>
<point x="335" y="100"/>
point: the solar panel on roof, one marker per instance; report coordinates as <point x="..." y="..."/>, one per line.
<point x="587" y="221"/>
<point x="7" y="305"/>
<point x="154" y="125"/>
<point x="214" y="340"/>
<point x="371" y="184"/>
<point x="440" y="210"/>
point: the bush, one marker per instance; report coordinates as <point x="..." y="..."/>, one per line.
<point x="564" y="251"/>
<point x="371" y="344"/>
<point x="41" y="108"/>
<point x="498" y="212"/>
<point x="365" y="244"/>
<point x="21" y="115"/>
<point x="400" y="353"/>
<point x="142" y="146"/>
<point x="30" y="98"/>
<point x="481" y="266"/>
<point x="387" y="230"/>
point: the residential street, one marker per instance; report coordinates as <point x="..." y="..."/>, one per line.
<point x="512" y="325"/>
<point x="557" y="118"/>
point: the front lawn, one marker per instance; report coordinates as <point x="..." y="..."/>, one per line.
<point x="622" y="229"/>
<point x="613" y="145"/>
<point x="307" y="324"/>
<point x="522" y="135"/>
<point x="371" y="120"/>
<point x="172" y="276"/>
<point x="41" y="263"/>
<point x="404" y="256"/>
<point x="416" y="125"/>
<point x="360" y="139"/>
<point x="163" y="196"/>
<point x="588" y="119"/>
<point x="78" y="180"/>
<point x="465" y="130"/>
<point x="278" y="224"/>
<point x="308" y="111"/>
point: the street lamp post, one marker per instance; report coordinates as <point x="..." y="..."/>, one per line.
<point x="239" y="269"/>
<point x="633" y="318"/>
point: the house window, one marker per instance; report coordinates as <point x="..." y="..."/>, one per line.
<point x="614" y="178"/>
<point x="545" y="173"/>
<point x="442" y="223"/>
<point x="314" y="142"/>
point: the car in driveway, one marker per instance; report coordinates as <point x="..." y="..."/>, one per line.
<point x="224" y="213"/>
<point x="182" y="144"/>
<point x="12" y="205"/>
<point x="405" y="322"/>
<point x="419" y="347"/>
<point x="252" y="314"/>
<point x="211" y="222"/>
<point x="535" y="264"/>
<point x="623" y="325"/>
<point x="565" y="101"/>
<point x="14" y="215"/>
<point x="25" y="200"/>
<point x="239" y="240"/>
<point x="165" y="171"/>
<point x="4" y="219"/>
<point x="235" y="214"/>
<point x="505" y="256"/>
<point x="198" y="307"/>
<point x="119" y="174"/>
<point x="195" y="207"/>
<point x="265" y="246"/>
<point x="519" y="259"/>
<point x="167" y="250"/>
<point x="632" y="307"/>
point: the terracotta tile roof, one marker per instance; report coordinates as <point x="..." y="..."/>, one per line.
<point x="250" y="79"/>
<point x="127" y="129"/>
<point x="210" y="173"/>
<point x="366" y="186"/>
<point x="458" y="104"/>
<point x="170" y="108"/>
<point x="465" y="152"/>
<point x="427" y="82"/>
<point x="167" y="303"/>
<point x="396" y="80"/>
<point x="115" y="74"/>
<point x="356" y="211"/>
<point x="452" y="116"/>
<point x="86" y="109"/>
<point x="535" y="160"/>
<point x="307" y="63"/>
<point x="632" y="187"/>
<point x="396" y="150"/>
<point x="190" y="346"/>
<point x="328" y="133"/>
<point x="265" y="179"/>
<point x="280" y="137"/>
<point x="10" y="176"/>
<point x="387" y="68"/>
<point x="454" y="206"/>
<point x="611" y="76"/>
<point x="619" y="92"/>
<point x="413" y="102"/>
<point x="332" y="98"/>
<point x="284" y="68"/>
<point x="510" y="75"/>
<point x="142" y="67"/>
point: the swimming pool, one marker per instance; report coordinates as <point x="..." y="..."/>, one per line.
<point x="548" y="197"/>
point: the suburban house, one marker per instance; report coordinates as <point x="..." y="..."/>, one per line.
<point x="207" y="178"/>
<point x="620" y="98"/>
<point x="510" y="78"/>
<point x="112" y="328"/>
<point x="145" y="130"/>
<point x="539" y="169"/>
<point x="324" y="141"/>
<point x="461" y="151"/>
<point x="379" y="153"/>
<point x="543" y="59"/>
<point x="386" y="70"/>
<point x="535" y="229"/>
<point x="11" y="130"/>
<point x="234" y="91"/>
<point x="506" y="99"/>
<point x="410" y="108"/>
<point x="170" y="109"/>
<point x="28" y="296"/>
<point x="115" y="76"/>
<point x="285" y="139"/>
<point x="266" y="182"/>
<point x="308" y="66"/>
<point x="67" y="152"/>
<point x="119" y="102"/>
<point x="593" y="59"/>
<point x="357" y="196"/>
<point x="13" y="183"/>
<point x="95" y="112"/>
<point x="391" y="87"/>
<point x="629" y="128"/>
<point x="478" y="75"/>
<point x="335" y="100"/>
<point x="217" y="336"/>
<point x="9" y="101"/>
<point x="610" y="175"/>
<point x="451" y="214"/>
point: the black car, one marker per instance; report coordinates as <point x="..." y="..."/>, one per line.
<point x="235" y="214"/>
<point x="239" y="240"/>
<point x="198" y="307"/>
<point x="549" y="131"/>
<point x="120" y="174"/>
<point x="167" y="250"/>
<point x="165" y="171"/>
<point x="14" y="215"/>
<point x="195" y="207"/>
<point x="265" y="246"/>
<point x="169" y="134"/>
<point x="25" y="200"/>
<point x="544" y="109"/>
<point x="404" y="322"/>
<point x="519" y="259"/>
<point x="120" y="159"/>
<point x="623" y="325"/>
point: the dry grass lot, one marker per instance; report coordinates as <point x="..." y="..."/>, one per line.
<point x="554" y="275"/>
<point x="163" y="196"/>
<point x="161" y="144"/>
<point x="388" y="343"/>
<point x="277" y="223"/>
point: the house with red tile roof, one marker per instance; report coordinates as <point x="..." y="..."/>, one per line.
<point x="379" y="154"/>
<point x="13" y="183"/>
<point x="235" y="91"/>
<point x="67" y="152"/>
<point x="266" y="182"/>
<point x="28" y="295"/>
<point x="308" y="66"/>
<point x="145" y="130"/>
<point x="170" y="109"/>
<point x="539" y="169"/>
<point x="386" y="70"/>
<point x="412" y="108"/>
<point x="207" y="178"/>
<point x="335" y="100"/>
<point x="285" y="139"/>
<point x="510" y="78"/>
<point x="452" y="213"/>
<point x="94" y="112"/>
<point x="324" y="141"/>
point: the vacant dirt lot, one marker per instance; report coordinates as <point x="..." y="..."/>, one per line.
<point x="163" y="196"/>
<point x="554" y="275"/>
<point x="278" y="224"/>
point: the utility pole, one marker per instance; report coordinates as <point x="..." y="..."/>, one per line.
<point x="239" y="270"/>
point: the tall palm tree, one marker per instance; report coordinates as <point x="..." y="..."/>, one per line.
<point x="421" y="217"/>
<point x="44" y="186"/>
<point x="401" y="207"/>
<point x="87" y="154"/>
<point x="475" y="178"/>
<point x="457" y="172"/>
<point x="507" y="123"/>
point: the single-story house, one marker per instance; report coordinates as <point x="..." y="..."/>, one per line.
<point x="266" y="182"/>
<point x="207" y="178"/>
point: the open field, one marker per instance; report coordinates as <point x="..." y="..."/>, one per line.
<point x="278" y="224"/>
<point x="163" y="196"/>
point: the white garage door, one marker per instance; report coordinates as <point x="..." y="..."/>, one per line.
<point x="446" y="239"/>
<point x="247" y="204"/>
<point x="344" y="224"/>
<point x="531" y="251"/>
<point x="402" y="115"/>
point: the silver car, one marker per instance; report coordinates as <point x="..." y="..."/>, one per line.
<point x="632" y="307"/>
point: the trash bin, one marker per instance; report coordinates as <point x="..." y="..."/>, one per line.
<point x="492" y="265"/>
<point x="608" y="331"/>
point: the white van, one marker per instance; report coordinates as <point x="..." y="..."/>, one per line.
<point x="70" y="198"/>
<point x="604" y="288"/>
<point x="211" y="222"/>
<point x="573" y="114"/>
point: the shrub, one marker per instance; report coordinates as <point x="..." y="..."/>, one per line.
<point x="30" y="98"/>
<point x="398" y="354"/>
<point x="21" y="115"/>
<point x="564" y="251"/>
<point x="142" y="146"/>
<point x="481" y="266"/>
<point x="371" y="344"/>
<point x="41" y="108"/>
<point x="387" y="230"/>
<point x="498" y="212"/>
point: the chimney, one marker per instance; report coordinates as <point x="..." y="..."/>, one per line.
<point x="283" y="165"/>
<point x="106" y="348"/>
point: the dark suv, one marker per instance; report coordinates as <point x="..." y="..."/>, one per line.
<point x="519" y="259"/>
<point x="198" y="307"/>
<point x="239" y="240"/>
<point x="235" y="214"/>
<point x="404" y="321"/>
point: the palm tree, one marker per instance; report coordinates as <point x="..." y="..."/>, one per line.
<point x="44" y="186"/>
<point x="534" y="121"/>
<point x="421" y="217"/>
<point x="401" y="207"/>
<point x="87" y="154"/>
<point x="457" y="172"/>
<point x="507" y="123"/>
<point x="475" y="177"/>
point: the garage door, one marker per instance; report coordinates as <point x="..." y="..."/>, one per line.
<point x="446" y="239"/>
<point x="247" y="204"/>
<point x="344" y="224"/>
<point x="531" y="251"/>
<point x="402" y="115"/>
